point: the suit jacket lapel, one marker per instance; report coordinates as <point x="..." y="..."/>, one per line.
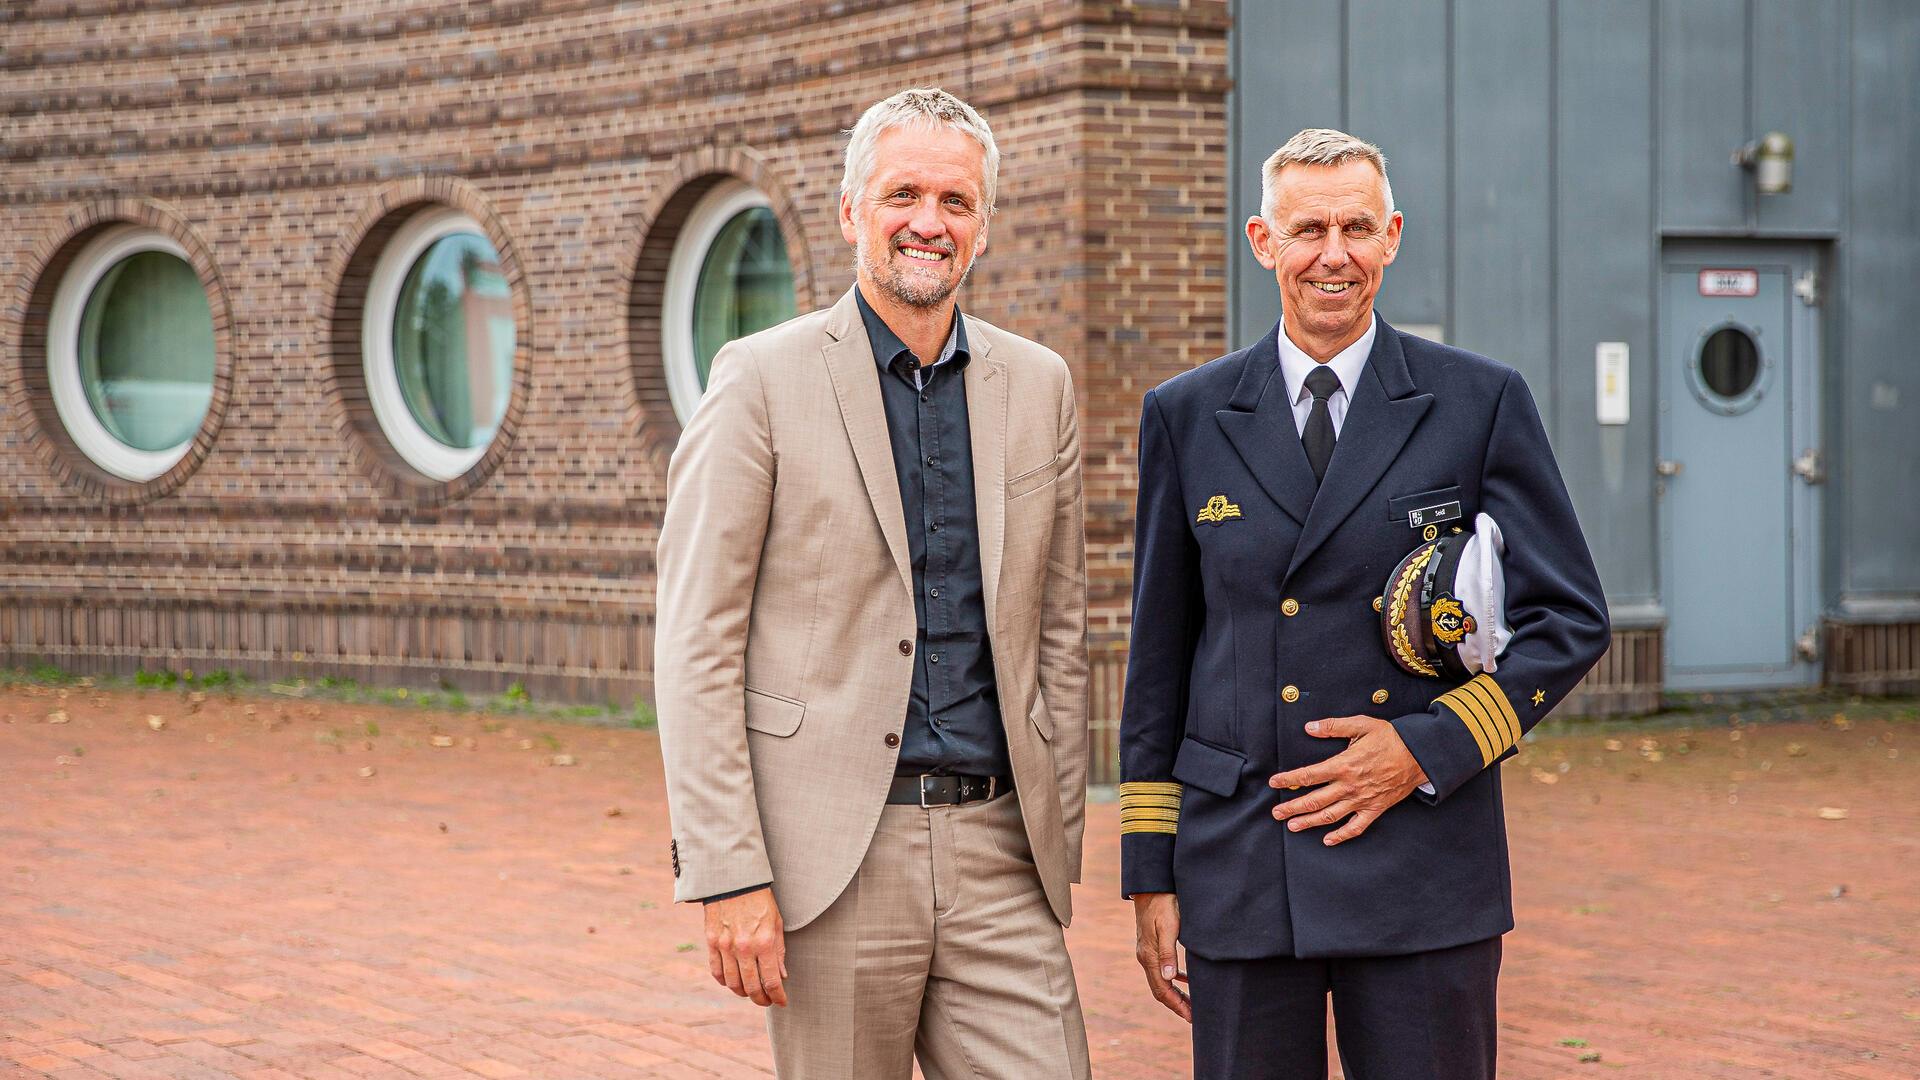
<point x="986" y="382"/>
<point x="1259" y="423"/>
<point x="1381" y="416"/>
<point x="856" y="383"/>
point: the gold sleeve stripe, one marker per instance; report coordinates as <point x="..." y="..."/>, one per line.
<point x="1474" y="720"/>
<point x="1485" y="711"/>
<point x="1149" y="807"/>
<point x="1498" y="707"/>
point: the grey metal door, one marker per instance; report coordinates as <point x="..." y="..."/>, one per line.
<point x="1739" y="464"/>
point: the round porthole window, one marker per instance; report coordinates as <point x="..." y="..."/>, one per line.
<point x="130" y="352"/>
<point x="728" y="277"/>
<point x="1729" y="371"/>
<point x="438" y="341"/>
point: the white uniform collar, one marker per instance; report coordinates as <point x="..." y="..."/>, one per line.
<point x="1347" y="363"/>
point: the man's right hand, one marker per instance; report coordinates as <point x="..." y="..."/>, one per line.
<point x="747" y="946"/>
<point x="1156" y="931"/>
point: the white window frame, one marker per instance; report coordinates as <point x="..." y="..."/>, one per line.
<point x="101" y="446"/>
<point x="702" y="227"/>
<point x="425" y="453"/>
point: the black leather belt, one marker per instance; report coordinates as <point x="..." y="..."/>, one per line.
<point x="946" y="790"/>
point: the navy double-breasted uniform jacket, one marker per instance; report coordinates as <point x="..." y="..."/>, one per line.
<point x="1254" y="613"/>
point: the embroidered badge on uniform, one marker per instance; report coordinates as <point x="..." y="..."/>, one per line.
<point x="1451" y="623"/>
<point x="1539" y="698"/>
<point x="1217" y="510"/>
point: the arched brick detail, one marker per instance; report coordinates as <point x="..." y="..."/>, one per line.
<point x="24" y="340"/>
<point x="655" y="231"/>
<point x="348" y="275"/>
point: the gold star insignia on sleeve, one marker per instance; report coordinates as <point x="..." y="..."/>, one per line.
<point x="1539" y="696"/>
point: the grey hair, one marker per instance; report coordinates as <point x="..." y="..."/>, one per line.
<point x="1320" y="146"/>
<point x="921" y="107"/>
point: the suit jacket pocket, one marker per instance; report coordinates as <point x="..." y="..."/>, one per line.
<point x="1033" y="479"/>
<point x="1209" y="768"/>
<point x="1042" y="722"/>
<point x="772" y="714"/>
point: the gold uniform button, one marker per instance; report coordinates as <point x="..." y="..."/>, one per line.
<point x="1376" y="603"/>
<point x="1290" y="694"/>
<point x="1379" y="697"/>
<point x="1290" y="606"/>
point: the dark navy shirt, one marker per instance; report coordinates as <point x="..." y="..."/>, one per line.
<point x="953" y="717"/>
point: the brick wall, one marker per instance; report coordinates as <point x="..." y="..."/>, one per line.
<point x="280" y="141"/>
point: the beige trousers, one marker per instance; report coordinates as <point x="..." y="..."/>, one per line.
<point x="942" y="947"/>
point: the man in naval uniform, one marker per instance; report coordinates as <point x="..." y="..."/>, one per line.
<point x="1310" y="803"/>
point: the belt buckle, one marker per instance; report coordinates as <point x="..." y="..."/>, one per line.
<point x="923" y="791"/>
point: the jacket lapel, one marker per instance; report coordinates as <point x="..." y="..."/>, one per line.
<point x="986" y="383"/>
<point x="856" y="383"/>
<point x="1258" y="421"/>
<point x="1381" y="416"/>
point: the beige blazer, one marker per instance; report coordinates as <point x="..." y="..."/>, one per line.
<point x="786" y="614"/>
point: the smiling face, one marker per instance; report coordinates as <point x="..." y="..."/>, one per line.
<point x="1328" y="245"/>
<point x="921" y="219"/>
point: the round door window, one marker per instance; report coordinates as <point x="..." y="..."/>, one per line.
<point x="1728" y="370"/>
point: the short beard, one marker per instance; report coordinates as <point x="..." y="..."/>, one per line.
<point x="896" y="282"/>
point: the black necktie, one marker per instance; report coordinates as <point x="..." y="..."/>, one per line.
<point x="1318" y="438"/>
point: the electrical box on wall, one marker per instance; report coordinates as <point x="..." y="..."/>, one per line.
<point x="1610" y="388"/>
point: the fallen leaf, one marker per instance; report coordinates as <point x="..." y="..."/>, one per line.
<point x="443" y="826"/>
<point x="57" y="716"/>
<point x="1794" y="749"/>
<point x="443" y="740"/>
<point x="563" y="759"/>
<point x="366" y="772"/>
<point x="1615" y="745"/>
<point x="1833" y="813"/>
<point x="526" y="744"/>
<point x="1836" y="892"/>
<point x="1654" y="755"/>
<point x="1733" y="736"/>
<point x="157" y="723"/>
<point x="1544" y="777"/>
<point x="1590" y="1057"/>
<point x="614" y="811"/>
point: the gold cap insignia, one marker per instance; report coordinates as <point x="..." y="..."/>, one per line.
<point x="1217" y="510"/>
<point x="1451" y="623"/>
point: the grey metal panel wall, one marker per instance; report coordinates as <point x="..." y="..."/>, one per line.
<point x="1702" y="114"/>
<point x="1879" y="383"/>
<point x="1799" y="80"/>
<point x="1502" y="188"/>
<point x="1605" y="249"/>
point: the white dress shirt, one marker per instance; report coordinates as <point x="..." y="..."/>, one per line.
<point x="1346" y="365"/>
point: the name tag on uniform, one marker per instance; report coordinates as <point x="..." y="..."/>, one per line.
<point x="1437" y="514"/>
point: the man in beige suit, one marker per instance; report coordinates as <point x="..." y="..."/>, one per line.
<point x="871" y="655"/>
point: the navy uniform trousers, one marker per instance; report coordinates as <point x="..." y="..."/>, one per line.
<point x="1254" y="613"/>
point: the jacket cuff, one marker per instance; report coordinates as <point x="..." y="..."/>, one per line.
<point x="1469" y="728"/>
<point x="734" y="893"/>
<point x="1149" y="820"/>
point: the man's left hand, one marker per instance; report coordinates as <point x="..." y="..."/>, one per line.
<point x="1375" y="771"/>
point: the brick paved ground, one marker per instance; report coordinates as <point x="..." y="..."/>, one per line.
<point x="263" y="888"/>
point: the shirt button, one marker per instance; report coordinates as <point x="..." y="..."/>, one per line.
<point x="906" y="647"/>
<point x="925" y="397"/>
<point x="935" y="593"/>
<point x="1290" y="606"/>
<point x="933" y="658"/>
<point x="1290" y="694"/>
<point x="1376" y="603"/>
<point x="1379" y="697"/>
<point x="931" y="460"/>
<point x="891" y="740"/>
<point x="935" y="527"/>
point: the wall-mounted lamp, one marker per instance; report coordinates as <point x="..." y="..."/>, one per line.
<point x="1770" y="160"/>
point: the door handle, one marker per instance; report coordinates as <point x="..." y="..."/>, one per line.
<point x="1807" y="467"/>
<point x="1668" y="468"/>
